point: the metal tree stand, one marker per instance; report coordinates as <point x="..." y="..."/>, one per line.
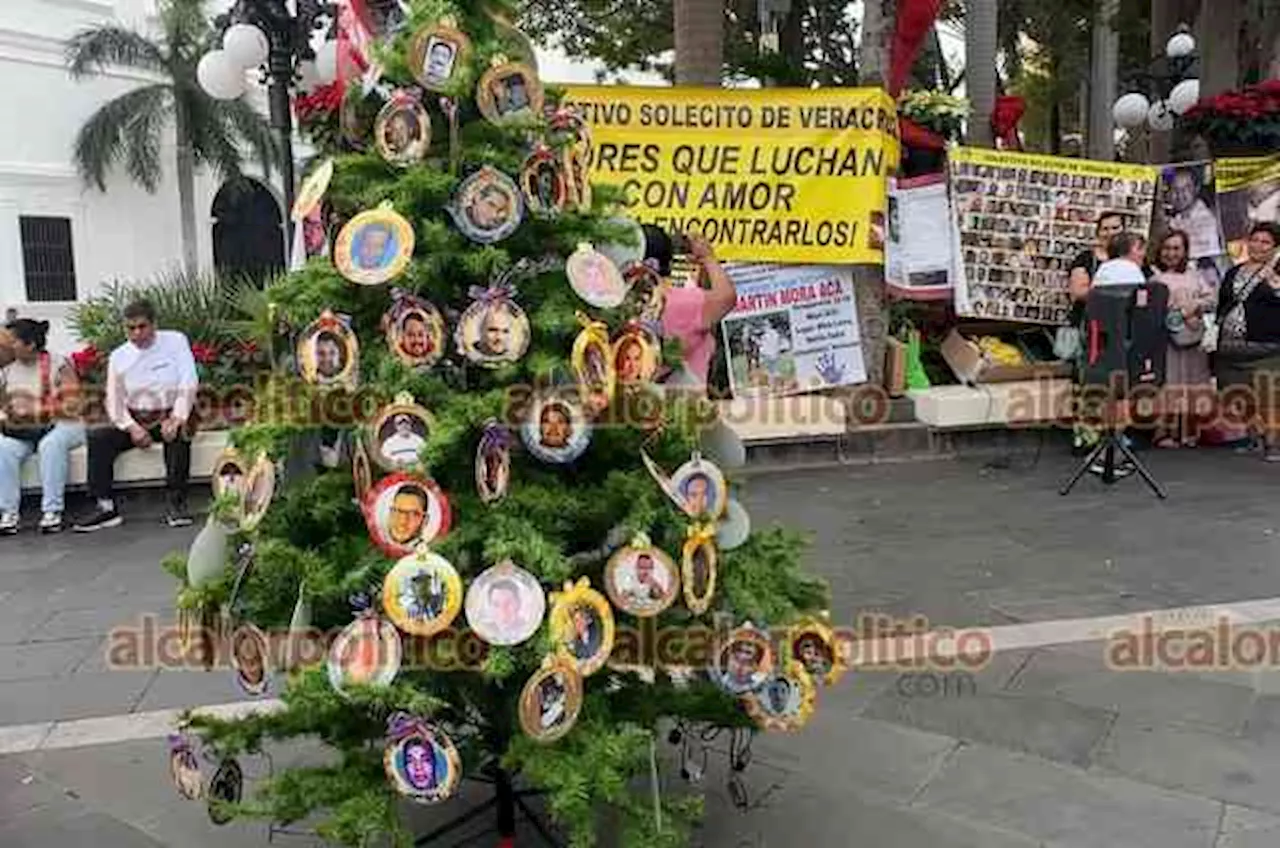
<point x="509" y="803"/>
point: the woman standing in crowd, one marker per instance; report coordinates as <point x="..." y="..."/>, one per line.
<point x="1187" y="373"/>
<point x="39" y="414"/>
<point x="1249" y="337"/>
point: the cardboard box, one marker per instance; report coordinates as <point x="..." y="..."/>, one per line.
<point x="895" y="367"/>
<point x="971" y="365"/>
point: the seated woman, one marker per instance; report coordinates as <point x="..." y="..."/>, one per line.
<point x="38" y="394"/>
<point x="1249" y="336"/>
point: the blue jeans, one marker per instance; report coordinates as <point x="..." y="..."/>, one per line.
<point x="55" y="450"/>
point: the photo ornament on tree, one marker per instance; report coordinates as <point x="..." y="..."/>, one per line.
<point x="592" y="361"/>
<point x="184" y="767"/>
<point x="582" y="625"/>
<point x="328" y="352"/>
<point x="422" y="593"/>
<point x="259" y="491"/>
<point x="399" y="432"/>
<point x="784" y="702"/>
<point x="403" y="511"/>
<point x="543" y="180"/>
<point x="493" y="330"/>
<point x="493" y="462"/>
<point x="641" y="579"/>
<point x="700" y="489"/>
<point x="438" y="54"/>
<point x="698" y="560"/>
<point x="415" y="330"/>
<point x="744" y="662"/>
<point x="251" y="658"/>
<point x="551" y="700"/>
<point x="813" y="646"/>
<point x="505" y="605"/>
<point x="374" y="247"/>
<point x="230" y="474"/>
<point x="510" y="92"/>
<point x="595" y="278"/>
<point x="487" y="206"/>
<point x="366" y="653"/>
<point x="556" y="429"/>
<point x="420" y="761"/>
<point x="636" y="355"/>
<point x="225" y="787"/>
<point x="312" y="190"/>
<point x="402" y="130"/>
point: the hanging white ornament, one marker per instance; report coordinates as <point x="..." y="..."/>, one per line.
<point x="208" y="555"/>
<point x="734" y="528"/>
<point x="724" y="445"/>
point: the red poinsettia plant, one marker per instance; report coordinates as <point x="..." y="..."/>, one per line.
<point x="1245" y="121"/>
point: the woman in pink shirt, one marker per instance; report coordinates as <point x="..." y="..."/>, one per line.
<point x="691" y="313"/>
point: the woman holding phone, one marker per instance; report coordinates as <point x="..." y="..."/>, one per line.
<point x="1248" y="353"/>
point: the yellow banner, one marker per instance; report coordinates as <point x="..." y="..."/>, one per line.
<point x="766" y="175"/>
<point x="1235" y="174"/>
<point x="1054" y="164"/>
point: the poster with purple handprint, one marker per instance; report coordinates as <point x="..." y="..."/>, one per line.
<point x="795" y="329"/>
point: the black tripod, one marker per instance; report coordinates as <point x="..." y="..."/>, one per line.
<point x="1111" y="443"/>
<point x="508" y="800"/>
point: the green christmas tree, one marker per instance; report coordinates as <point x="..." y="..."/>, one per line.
<point x="302" y="561"/>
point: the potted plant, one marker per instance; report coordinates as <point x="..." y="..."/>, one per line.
<point x="928" y="121"/>
<point x="1238" y="123"/>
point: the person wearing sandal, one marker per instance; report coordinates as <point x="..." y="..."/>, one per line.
<point x="40" y="392"/>
<point x="1248" y="350"/>
<point x="1187" y="373"/>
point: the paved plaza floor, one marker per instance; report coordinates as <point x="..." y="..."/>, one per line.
<point x="1045" y="746"/>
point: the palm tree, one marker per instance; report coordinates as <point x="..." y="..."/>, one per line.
<point x="130" y="129"/>
<point x="980" y="67"/>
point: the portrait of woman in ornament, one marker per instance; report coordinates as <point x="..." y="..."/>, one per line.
<point x="814" y="648"/>
<point x="582" y="624"/>
<point x="366" y="652"/>
<point x="505" y="604"/>
<point x="642" y="581"/>
<point x="550" y="702"/>
<point x="403" y="130"/>
<point x="595" y="278"/>
<point x="422" y="593"/>
<point x="744" y="662"/>
<point x="635" y="357"/>
<point x="249" y="657"/>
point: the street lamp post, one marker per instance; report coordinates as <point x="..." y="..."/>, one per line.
<point x="1166" y="89"/>
<point x="264" y="34"/>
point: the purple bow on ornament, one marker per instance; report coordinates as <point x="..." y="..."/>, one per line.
<point x="360" y="603"/>
<point x="178" y="742"/>
<point x="496" y="436"/>
<point x="498" y="291"/>
<point x="402" y="724"/>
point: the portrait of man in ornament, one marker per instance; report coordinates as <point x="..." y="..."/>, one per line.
<point x="331" y="356"/>
<point x="510" y="94"/>
<point x="553" y="696"/>
<point x="505" y="605"/>
<point x="407" y="514"/>
<point x="249" y="650"/>
<point x="374" y="247"/>
<point x="401" y="131"/>
<point x="742" y="665"/>
<point x="556" y="426"/>
<point x="440" y="59"/>
<point x="415" y="336"/>
<point x="698" y="494"/>
<point x="495" y="332"/>
<point x="184" y="768"/>
<point x="813" y="652"/>
<point x="584" y="639"/>
<point x="777" y="698"/>
<point x="644" y="583"/>
<point x="401" y="439"/>
<point x="489" y="207"/>
<point x="424" y="595"/>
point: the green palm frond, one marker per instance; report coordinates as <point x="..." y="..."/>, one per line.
<point x="213" y="144"/>
<point x="132" y="119"/>
<point x="246" y="124"/>
<point x="253" y="306"/>
<point x="96" y="49"/>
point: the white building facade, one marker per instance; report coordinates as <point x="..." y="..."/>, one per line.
<point x="60" y="240"/>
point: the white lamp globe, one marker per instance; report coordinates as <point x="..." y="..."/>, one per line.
<point x="1131" y="110"/>
<point x="219" y="76"/>
<point x="1160" y="117"/>
<point x="1180" y="46"/>
<point x="308" y="76"/>
<point x="1184" y="95"/>
<point x="246" y="45"/>
<point x="327" y="62"/>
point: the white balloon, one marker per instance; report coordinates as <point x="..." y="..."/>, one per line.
<point x="722" y="443"/>
<point x="1180" y="45"/>
<point x="1160" y="117"/>
<point x="327" y="62"/>
<point x="734" y="528"/>
<point x="1184" y="95"/>
<point x="1130" y="110"/>
<point x="219" y="76"/>
<point x="246" y="45"/>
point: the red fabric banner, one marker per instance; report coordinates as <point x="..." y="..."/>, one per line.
<point x="915" y="18"/>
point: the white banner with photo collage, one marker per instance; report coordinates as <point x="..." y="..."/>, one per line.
<point x="1021" y="220"/>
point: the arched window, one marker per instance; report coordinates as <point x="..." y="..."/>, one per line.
<point x="248" y="231"/>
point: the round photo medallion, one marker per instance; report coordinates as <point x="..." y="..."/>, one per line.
<point x="744" y="662"/>
<point x="814" y="648"/>
<point x="510" y="92"/>
<point x="399" y="432"/>
<point x="415" y="331"/>
<point x="700" y="489"/>
<point x="403" y="511"/>
<point x="595" y="278"/>
<point x="505" y="604"/>
<point x="438" y="55"/>
<point x="328" y="352"/>
<point x="402" y="130"/>
<point x="493" y="331"/>
<point x="374" y="247"/>
<point x="366" y="653"/>
<point x="582" y="625"/>
<point x="641" y="579"/>
<point x="420" y="761"/>
<point x="551" y="701"/>
<point x="556" y="429"/>
<point x="488" y="206"/>
<point x="785" y="702"/>
<point x="422" y="593"/>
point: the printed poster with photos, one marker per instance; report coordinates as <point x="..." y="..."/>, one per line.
<point x="1248" y="193"/>
<point x="918" y="258"/>
<point x="795" y="329"/>
<point x="1021" y="219"/>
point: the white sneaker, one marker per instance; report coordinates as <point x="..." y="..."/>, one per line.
<point x="8" y="523"/>
<point x="51" y="522"/>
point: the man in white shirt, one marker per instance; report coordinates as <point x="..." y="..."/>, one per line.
<point x="402" y="447"/>
<point x="1189" y="212"/>
<point x="151" y="392"/>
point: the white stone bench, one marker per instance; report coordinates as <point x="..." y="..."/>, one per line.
<point x="138" y="467"/>
<point x="1025" y="403"/>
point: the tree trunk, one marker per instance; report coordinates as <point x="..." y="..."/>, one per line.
<point x="186" y="190"/>
<point x="877" y="30"/>
<point x="1164" y="20"/>
<point x="980" y="65"/>
<point x="1105" y="60"/>
<point x="699" y="36"/>
<point x="1218" y="37"/>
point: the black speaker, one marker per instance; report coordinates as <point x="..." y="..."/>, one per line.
<point x="1126" y="340"/>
